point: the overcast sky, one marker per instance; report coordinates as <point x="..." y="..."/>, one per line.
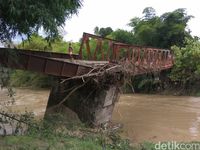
<point x="117" y="13"/>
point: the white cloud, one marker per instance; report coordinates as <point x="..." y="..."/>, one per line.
<point x="117" y="13"/>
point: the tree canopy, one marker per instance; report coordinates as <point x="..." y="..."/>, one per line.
<point x="149" y="13"/>
<point x="161" y="31"/>
<point x="152" y="30"/>
<point x="103" y="31"/>
<point x="123" y="36"/>
<point x="187" y="63"/>
<point x="28" y="16"/>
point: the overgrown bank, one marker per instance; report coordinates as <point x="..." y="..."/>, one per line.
<point x="59" y="132"/>
<point x="182" y="79"/>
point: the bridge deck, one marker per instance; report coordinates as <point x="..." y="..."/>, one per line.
<point x="140" y="59"/>
<point x="53" y="66"/>
<point x="87" y="63"/>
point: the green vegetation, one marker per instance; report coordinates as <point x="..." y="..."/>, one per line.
<point x="103" y="31"/>
<point x="168" y="31"/>
<point x="58" y="132"/>
<point x="61" y="143"/>
<point x="37" y="42"/>
<point x="186" y="71"/>
<point x="161" y="31"/>
<point x="20" y="78"/>
<point x="123" y="36"/>
<point x="26" y="17"/>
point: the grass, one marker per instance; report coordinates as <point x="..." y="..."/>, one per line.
<point x="57" y="132"/>
<point x="56" y="143"/>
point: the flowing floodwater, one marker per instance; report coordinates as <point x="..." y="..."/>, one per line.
<point x="144" y="117"/>
<point x="159" y="118"/>
<point x="26" y="100"/>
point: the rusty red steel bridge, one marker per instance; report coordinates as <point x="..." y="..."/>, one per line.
<point x="93" y="103"/>
<point x="94" y="51"/>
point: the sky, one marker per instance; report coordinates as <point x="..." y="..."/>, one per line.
<point x="117" y="14"/>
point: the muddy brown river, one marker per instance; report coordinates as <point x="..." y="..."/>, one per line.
<point x="144" y="117"/>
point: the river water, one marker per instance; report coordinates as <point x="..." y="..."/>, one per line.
<point x="159" y="118"/>
<point x="144" y="117"/>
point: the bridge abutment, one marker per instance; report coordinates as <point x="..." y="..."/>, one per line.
<point x="92" y="101"/>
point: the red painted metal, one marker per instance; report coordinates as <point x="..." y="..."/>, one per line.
<point x="19" y="59"/>
<point x="93" y="48"/>
<point x="141" y="56"/>
<point x="47" y="54"/>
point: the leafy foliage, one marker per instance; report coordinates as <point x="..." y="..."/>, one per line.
<point x="103" y="31"/>
<point x="123" y="36"/>
<point x="149" y="13"/>
<point x="165" y="31"/>
<point x="28" y="16"/>
<point x="35" y="42"/>
<point x="21" y="78"/>
<point x="186" y="70"/>
<point x="58" y="132"/>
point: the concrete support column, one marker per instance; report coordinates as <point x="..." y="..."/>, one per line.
<point x="93" y="103"/>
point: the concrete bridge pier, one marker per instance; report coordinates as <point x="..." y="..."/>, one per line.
<point x="92" y="101"/>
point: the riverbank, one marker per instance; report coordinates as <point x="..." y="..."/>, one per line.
<point x="195" y="91"/>
<point x="144" y="117"/>
<point x="61" y="133"/>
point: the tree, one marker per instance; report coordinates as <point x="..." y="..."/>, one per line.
<point x="149" y="13"/>
<point x="28" y="16"/>
<point x="123" y="36"/>
<point x="186" y="70"/>
<point x="36" y="42"/>
<point x="96" y="30"/>
<point x="103" y="31"/>
<point x="173" y="29"/>
<point x="165" y="31"/>
<point x="134" y="22"/>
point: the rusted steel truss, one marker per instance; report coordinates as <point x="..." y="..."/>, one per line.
<point x="97" y="48"/>
<point x="94" y="49"/>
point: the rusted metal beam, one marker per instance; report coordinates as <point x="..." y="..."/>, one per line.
<point x="45" y="53"/>
<point x="154" y="58"/>
<point x="26" y="61"/>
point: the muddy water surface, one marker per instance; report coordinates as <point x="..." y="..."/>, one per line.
<point x="159" y="118"/>
<point x="145" y="117"/>
<point x="26" y="100"/>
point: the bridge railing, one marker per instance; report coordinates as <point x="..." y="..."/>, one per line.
<point x="95" y="47"/>
<point x="143" y="56"/>
<point x="104" y="49"/>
